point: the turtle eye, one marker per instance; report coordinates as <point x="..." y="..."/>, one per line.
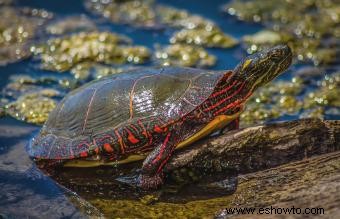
<point x="276" y="55"/>
<point x="275" y="58"/>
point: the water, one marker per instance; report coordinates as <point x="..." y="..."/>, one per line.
<point x="27" y="192"/>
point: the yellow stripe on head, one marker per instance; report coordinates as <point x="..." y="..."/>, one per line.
<point x="246" y="63"/>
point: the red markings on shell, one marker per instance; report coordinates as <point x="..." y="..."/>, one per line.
<point x="132" y="138"/>
<point x="157" y="129"/>
<point x="83" y="154"/>
<point x="108" y="148"/>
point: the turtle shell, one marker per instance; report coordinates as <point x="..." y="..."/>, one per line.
<point x="112" y="101"/>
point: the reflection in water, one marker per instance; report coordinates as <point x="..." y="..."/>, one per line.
<point x="184" y="192"/>
<point x="25" y="191"/>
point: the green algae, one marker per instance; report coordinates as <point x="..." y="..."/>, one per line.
<point x="21" y="83"/>
<point x="184" y="55"/>
<point x="180" y="18"/>
<point x="33" y="107"/>
<point x="87" y="70"/>
<point x="294" y="97"/>
<point x="326" y="56"/>
<point x="195" y="29"/>
<point x="290" y="104"/>
<point x="280" y="11"/>
<point x="149" y="199"/>
<point x="6" y="2"/>
<point x="210" y="36"/>
<point x="264" y="39"/>
<point x="309" y="27"/>
<point x="147" y="14"/>
<point x="100" y="71"/>
<point x="134" y="12"/>
<point x="2" y="112"/>
<point x="81" y="71"/>
<point x="31" y="99"/>
<point x="272" y="101"/>
<point x="70" y="25"/>
<point x="136" y="209"/>
<point x="18" y="27"/>
<point x="305" y="31"/>
<point x="315" y="112"/>
<point x="305" y="49"/>
<point x="327" y="93"/>
<point x="61" y="54"/>
<point x="3" y="102"/>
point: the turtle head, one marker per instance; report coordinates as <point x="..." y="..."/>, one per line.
<point x="262" y="67"/>
<point x="256" y="70"/>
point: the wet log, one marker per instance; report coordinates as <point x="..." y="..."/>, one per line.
<point x="261" y="147"/>
<point x="293" y="164"/>
<point x="310" y="186"/>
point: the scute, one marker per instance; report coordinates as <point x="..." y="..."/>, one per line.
<point x="111" y="101"/>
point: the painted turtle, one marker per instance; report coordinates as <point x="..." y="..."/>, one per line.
<point x="122" y="117"/>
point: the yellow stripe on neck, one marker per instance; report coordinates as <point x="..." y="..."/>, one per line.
<point x="218" y="123"/>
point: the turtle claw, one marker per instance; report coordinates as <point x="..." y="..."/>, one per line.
<point x="131" y="180"/>
<point x="142" y="181"/>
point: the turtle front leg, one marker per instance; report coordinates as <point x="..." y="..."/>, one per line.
<point x="233" y="125"/>
<point x="151" y="175"/>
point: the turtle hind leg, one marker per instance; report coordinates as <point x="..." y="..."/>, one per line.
<point x="144" y="181"/>
<point x="151" y="175"/>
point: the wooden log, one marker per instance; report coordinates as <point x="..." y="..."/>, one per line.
<point x="312" y="183"/>
<point x="260" y="147"/>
